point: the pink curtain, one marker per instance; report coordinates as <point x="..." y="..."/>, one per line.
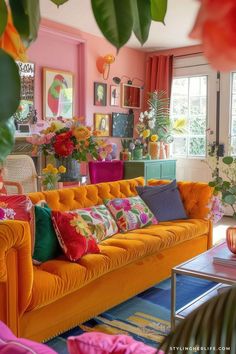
<point x="159" y="73"/>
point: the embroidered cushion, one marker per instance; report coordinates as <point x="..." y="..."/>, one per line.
<point x="73" y="235"/>
<point x="130" y="213"/>
<point x="15" y="207"/>
<point x="99" y="220"/>
<point x="46" y="245"/>
<point x="164" y="201"/>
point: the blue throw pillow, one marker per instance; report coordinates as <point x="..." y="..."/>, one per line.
<point x="164" y="201"/>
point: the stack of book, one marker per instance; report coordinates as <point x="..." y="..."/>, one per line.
<point x="226" y="259"/>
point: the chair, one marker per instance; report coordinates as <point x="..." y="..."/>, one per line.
<point x="4" y="184"/>
<point x="21" y="169"/>
<point x="106" y="171"/>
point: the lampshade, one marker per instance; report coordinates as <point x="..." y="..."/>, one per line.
<point x="103" y="65"/>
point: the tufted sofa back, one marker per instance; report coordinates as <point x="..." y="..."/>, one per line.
<point x="87" y="196"/>
<point x="196" y="197"/>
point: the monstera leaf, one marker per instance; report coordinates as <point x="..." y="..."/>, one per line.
<point x="26" y="18"/>
<point x="7" y="132"/>
<point x="211" y="326"/>
<point x="9" y="86"/>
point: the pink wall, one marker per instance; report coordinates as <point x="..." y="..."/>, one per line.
<point x="64" y="48"/>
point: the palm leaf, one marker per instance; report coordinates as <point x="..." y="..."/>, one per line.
<point x="212" y="325"/>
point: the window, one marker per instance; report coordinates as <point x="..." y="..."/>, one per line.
<point x="189" y="100"/>
<point x="233" y="114"/>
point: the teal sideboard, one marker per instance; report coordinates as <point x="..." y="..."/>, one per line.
<point x="159" y="169"/>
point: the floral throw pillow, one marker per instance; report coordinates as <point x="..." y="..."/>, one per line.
<point x="73" y="234"/>
<point x="15" y="207"/>
<point x="130" y="213"/>
<point x="99" y="220"/>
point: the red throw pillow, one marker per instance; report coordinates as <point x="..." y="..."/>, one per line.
<point x="73" y="235"/>
<point x="15" y="207"/>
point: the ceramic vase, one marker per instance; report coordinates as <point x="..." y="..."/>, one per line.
<point x="162" y="154"/>
<point x="137" y="154"/>
<point x="72" y="169"/>
<point x="125" y="155"/>
<point x="231" y="239"/>
<point x="153" y="150"/>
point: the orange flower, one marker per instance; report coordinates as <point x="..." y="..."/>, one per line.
<point x="81" y="133"/>
<point x="10" y="41"/>
<point x="97" y="133"/>
<point x="215" y="27"/>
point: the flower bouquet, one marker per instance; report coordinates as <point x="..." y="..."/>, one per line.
<point x="51" y="176"/>
<point x="69" y="143"/>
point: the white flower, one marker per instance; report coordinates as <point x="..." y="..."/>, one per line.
<point x="151" y="113"/>
<point x="151" y="124"/>
<point x="146" y="113"/>
<point x="141" y="115"/>
<point x="141" y="119"/>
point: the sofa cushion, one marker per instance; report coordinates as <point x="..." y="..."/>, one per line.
<point x="46" y="245"/>
<point x="57" y="278"/>
<point x="164" y="201"/>
<point x="130" y="213"/>
<point x="101" y="343"/>
<point x="99" y="221"/>
<point x="73" y="235"/>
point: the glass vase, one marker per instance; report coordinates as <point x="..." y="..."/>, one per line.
<point x="231" y="239"/>
<point x="153" y="150"/>
<point x="72" y="166"/>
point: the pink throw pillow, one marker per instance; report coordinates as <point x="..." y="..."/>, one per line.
<point x="100" y="343"/>
<point x="10" y="344"/>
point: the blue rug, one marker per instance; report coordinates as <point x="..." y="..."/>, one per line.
<point x="145" y="317"/>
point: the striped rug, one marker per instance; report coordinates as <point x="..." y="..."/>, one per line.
<point x="145" y="317"/>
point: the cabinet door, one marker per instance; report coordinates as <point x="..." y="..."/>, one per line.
<point x="134" y="169"/>
<point x="168" y="170"/>
<point x="153" y="170"/>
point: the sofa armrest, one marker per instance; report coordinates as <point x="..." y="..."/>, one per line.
<point x="196" y="197"/>
<point x="16" y="271"/>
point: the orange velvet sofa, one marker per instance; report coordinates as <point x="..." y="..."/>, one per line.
<point x="39" y="302"/>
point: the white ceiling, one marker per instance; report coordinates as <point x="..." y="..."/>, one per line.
<point x="179" y="20"/>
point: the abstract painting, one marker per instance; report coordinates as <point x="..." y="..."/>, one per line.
<point x="122" y="125"/>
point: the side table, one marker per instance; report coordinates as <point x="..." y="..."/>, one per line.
<point x="201" y="266"/>
<point x="159" y="169"/>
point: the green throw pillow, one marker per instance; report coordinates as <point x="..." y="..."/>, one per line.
<point x="46" y="245"/>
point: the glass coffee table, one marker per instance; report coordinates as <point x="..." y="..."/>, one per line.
<point x="202" y="266"/>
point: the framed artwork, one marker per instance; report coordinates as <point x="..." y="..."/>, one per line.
<point x="102" y="123"/>
<point x="114" y="95"/>
<point x="122" y="125"/>
<point x="100" y="94"/>
<point x="26" y="112"/>
<point x="58" y="93"/>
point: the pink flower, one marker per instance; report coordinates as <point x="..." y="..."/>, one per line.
<point x="121" y="204"/>
<point x="216" y="209"/>
<point x="215" y="26"/>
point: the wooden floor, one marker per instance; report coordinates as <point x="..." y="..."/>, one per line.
<point x="219" y="231"/>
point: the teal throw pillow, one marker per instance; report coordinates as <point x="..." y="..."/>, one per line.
<point x="46" y="245"/>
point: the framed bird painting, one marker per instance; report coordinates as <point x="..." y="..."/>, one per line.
<point x="58" y="94"/>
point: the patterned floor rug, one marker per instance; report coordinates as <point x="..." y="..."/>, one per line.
<point x="145" y="317"/>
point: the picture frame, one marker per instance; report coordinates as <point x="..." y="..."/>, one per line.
<point x="58" y="94"/>
<point x="26" y="111"/>
<point x="100" y="94"/>
<point x="122" y="125"/>
<point x="102" y="123"/>
<point x="114" y="95"/>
